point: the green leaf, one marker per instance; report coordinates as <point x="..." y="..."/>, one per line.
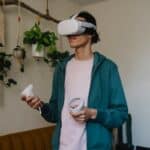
<point x="5" y="66"/>
<point x="12" y="81"/>
<point x="46" y="60"/>
<point x="1" y="77"/>
<point x="39" y="47"/>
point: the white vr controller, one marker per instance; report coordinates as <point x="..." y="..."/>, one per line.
<point x="76" y="105"/>
<point x="28" y="91"/>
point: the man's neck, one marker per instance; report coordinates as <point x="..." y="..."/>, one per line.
<point x="83" y="53"/>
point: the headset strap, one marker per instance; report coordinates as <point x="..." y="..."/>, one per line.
<point x="87" y="25"/>
<point x="84" y="23"/>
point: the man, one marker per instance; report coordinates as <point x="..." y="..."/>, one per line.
<point x="92" y="78"/>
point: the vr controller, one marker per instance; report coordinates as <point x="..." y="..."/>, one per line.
<point x="76" y="105"/>
<point x="28" y="91"/>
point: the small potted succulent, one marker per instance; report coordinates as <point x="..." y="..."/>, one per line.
<point x="5" y="66"/>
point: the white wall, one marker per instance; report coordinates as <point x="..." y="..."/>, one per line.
<point x="15" y="115"/>
<point x="125" y="34"/>
<point x="124" y="30"/>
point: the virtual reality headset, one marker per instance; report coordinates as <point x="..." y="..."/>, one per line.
<point x="73" y="26"/>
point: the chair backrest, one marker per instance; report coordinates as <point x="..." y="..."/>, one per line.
<point x="128" y="130"/>
<point x="142" y="148"/>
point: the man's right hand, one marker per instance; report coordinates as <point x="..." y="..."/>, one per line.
<point x="33" y="101"/>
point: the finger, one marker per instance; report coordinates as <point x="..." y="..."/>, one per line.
<point x="36" y="105"/>
<point x="77" y="114"/>
<point x="29" y="102"/>
<point x="80" y="120"/>
<point x="81" y="117"/>
<point x="41" y="103"/>
<point x="29" y="98"/>
<point x="33" y="102"/>
<point x="23" y="98"/>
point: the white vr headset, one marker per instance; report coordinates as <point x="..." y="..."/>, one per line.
<point x="73" y="26"/>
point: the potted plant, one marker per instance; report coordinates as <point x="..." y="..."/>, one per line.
<point x="44" y="41"/>
<point x="40" y="40"/>
<point x="48" y="40"/>
<point x="33" y="37"/>
<point x="55" y="57"/>
<point x="5" y="66"/>
<point x="19" y="54"/>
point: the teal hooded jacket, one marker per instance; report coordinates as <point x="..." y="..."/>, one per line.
<point x="106" y="95"/>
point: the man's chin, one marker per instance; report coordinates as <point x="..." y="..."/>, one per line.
<point x="75" y="46"/>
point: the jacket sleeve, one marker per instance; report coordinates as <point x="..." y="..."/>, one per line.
<point x="50" y="110"/>
<point x="117" y="112"/>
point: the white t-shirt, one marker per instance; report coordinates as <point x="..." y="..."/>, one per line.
<point x="77" y="84"/>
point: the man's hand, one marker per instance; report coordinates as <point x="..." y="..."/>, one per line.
<point x="33" y="101"/>
<point x="84" y="115"/>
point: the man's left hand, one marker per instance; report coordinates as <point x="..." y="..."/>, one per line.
<point x="84" y="115"/>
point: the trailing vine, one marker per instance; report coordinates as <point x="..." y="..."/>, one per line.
<point x="5" y="66"/>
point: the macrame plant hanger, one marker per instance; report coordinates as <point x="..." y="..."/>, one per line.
<point x="38" y="21"/>
<point x="19" y="52"/>
<point x="2" y="26"/>
<point x="47" y="8"/>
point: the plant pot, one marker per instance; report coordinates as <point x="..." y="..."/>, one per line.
<point x="36" y="53"/>
<point x="19" y="52"/>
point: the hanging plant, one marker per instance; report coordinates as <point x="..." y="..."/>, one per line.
<point x="5" y="66"/>
<point x="33" y="37"/>
<point x="54" y="57"/>
<point x="1" y="45"/>
<point x="40" y="41"/>
<point x="46" y="40"/>
<point x="20" y="54"/>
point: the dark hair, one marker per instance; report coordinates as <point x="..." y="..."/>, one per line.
<point x="90" y="18"/>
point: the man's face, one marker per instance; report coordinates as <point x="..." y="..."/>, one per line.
<point x="77" y="41"/>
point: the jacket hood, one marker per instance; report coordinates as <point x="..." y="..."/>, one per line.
<point x="98" y="60"/>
